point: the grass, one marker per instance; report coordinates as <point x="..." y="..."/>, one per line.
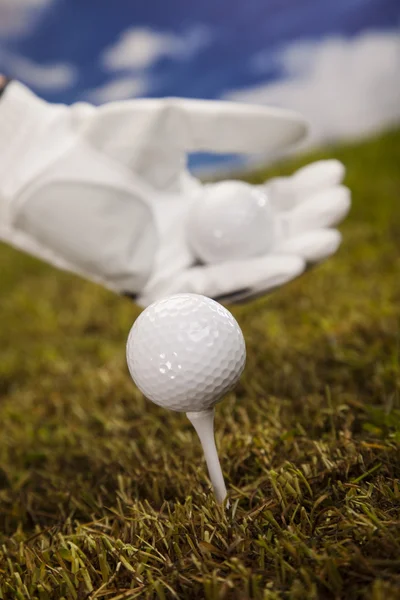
<point x="105" y="496"/>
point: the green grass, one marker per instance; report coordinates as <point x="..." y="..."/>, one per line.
<point x="105" y="496"/>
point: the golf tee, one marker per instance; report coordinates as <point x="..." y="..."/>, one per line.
<point x="203" y="422"/>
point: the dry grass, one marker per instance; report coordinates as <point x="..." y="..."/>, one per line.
<point x="105" y="496"/>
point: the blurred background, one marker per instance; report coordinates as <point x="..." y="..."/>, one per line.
<point x="338" y="63"/>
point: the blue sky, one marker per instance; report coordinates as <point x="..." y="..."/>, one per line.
<point x="77" y="31"/>
<point x="102" y="50"/>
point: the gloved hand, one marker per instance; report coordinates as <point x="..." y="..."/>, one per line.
<point x="104" y="192"/>
<point x="306" y="207"/>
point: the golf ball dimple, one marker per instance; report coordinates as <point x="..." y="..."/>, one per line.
<point x="231" y="220"/>
<point x="185" y="352"/>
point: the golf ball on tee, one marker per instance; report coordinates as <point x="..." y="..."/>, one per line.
<point x="185" y="352"/>
<point x="231" y="220"/>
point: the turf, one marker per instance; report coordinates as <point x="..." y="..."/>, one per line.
<point x="105" y="496"/>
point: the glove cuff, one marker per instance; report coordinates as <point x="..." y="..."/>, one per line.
<point x="22" y="116"/>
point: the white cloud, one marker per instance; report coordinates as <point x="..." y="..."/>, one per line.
<point x="49" y="77"/>
<point x="139" y="47"/>
<point x="18" y="17"/>
<point x="346" y="88"/>
<point x="119" y="89"/>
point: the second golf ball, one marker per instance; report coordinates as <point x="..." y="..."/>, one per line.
<point x="185" y="352"/>
<point x="231" y="220"/>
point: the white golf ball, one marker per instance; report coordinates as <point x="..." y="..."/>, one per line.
<point x="185" y="352"/>
<point x="231" y="220"/>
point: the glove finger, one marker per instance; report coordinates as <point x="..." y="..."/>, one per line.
<point x="313" y="246"/>
<point x="192" y="125"/>
<point x="323" y="209"/>
<point x="319" y="175"/>
<point x="287" y="192"/>
<point x="231" y="280"/>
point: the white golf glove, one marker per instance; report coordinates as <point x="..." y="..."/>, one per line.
<point x="104" y="192"/>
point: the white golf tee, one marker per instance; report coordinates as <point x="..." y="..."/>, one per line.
<point x="203" y="422"/>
